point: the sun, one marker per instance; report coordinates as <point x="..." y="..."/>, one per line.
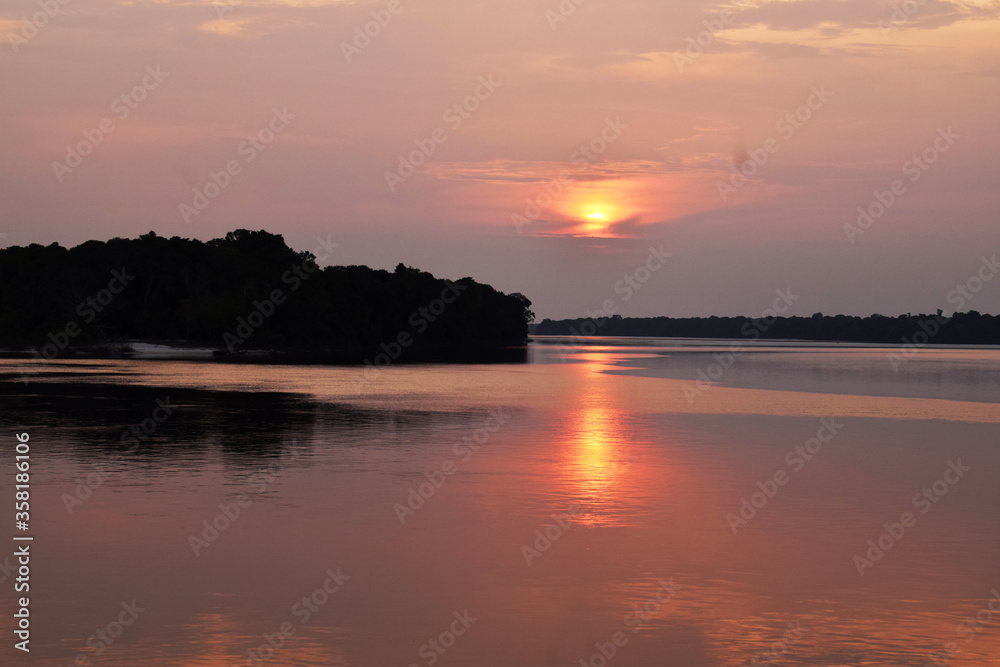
<point x="595" y="210"/>
<point x="597" y="222"/>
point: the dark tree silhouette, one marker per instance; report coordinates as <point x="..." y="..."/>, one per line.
<point x="970" y="328"/>
<point x="202" y="292"/>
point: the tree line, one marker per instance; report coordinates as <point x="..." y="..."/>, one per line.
<point x="248" y="290"/>
<point x="969" y="328"/>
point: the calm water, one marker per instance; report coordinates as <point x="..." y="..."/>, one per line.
<point x="641" y="463"/>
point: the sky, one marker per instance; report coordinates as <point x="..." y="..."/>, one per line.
<point x="680" y="158"/>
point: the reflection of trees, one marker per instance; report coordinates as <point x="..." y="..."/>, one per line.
<point x="93" y="418"/>
<point x="87" y="421"/>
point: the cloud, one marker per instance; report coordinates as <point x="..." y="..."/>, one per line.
<point x="513" y="171"/>
<point x="834" y="17"/>
<point x="250" y="27"/>
<point x="596" y="60"/>
<point x="234" y="4"/>
<point x="782" y="50"/>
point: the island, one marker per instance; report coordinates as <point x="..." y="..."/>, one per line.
<point x="245" y="296"/>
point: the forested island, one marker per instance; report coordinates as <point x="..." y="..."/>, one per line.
<point x="244" y="293"/>
<point x="969" y="328"/>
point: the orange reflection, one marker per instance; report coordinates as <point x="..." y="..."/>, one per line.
<point x="597" y="463"/>
<point x="597" y="457"/>
<point x="223" y="639"/>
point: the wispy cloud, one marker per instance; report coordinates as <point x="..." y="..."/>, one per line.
<point x="513" y="171"/>
<point x="838" y="16"/>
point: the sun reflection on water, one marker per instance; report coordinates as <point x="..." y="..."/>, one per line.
<point x="597" y="440"/>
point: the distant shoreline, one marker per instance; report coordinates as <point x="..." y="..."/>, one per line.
<point x="658" y="341"/>
<point x="969" y="328"/>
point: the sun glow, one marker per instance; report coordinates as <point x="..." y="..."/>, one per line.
<point x="597" y="217"/>
<point x="600" y="208"/>
<point x="597" y="209"/>
<point x="596" y="222"/>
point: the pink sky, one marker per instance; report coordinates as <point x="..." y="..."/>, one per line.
<point x="682" y="92"/>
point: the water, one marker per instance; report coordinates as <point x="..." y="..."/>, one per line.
<point x="639" y="463"/>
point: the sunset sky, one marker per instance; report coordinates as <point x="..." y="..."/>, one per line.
<point x="818" y="104"/>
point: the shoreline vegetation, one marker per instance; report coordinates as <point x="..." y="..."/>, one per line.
<point x="247" y="296"/>
<point x="969" y="328"/>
